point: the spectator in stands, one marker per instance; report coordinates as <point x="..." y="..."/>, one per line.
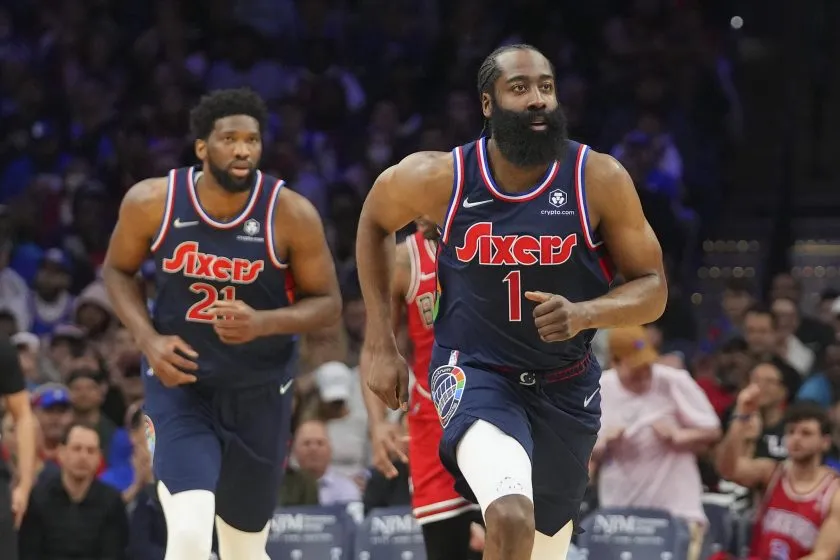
<point x="28" y="346"/>
<point x="52" y="303"/>
<point x="87" y="393"/>
<point x="737" y="299"/>
<point x="51" y="403"/>
<point x="134" y="474"/>
<point x="790" y="348"/>
<point x="74" y="515"/>
<point x="772" y="401"/>
<point x="761" y="334"/>
<point x="655" y="419"/>
<point x="824" y="387"/>
<point x="386" y="492"/>
<point x="313" y="455"/>
<point x="800" y="514"/>
<point x="343" y="410"/>
<point x="94" y="314"/>
<point x="812" y="332"/>
<point x="729" y="373"/>
<point x="14" y="293"/>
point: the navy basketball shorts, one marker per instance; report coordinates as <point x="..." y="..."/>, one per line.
<point x="555" y="416"/>
<point x="232" y="442"/>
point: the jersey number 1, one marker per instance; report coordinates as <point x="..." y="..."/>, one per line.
<point x="197" y="312"/>
<point x="514" y="283"/>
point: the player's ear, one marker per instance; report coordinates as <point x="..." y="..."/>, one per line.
<point x="201" y="149"/>
<point x="486" y="105"/>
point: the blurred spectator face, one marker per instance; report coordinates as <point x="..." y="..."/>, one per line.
<point x="785" y="286"/>
<point x="93" y="318"/>
<point x="131" y="385"/>
<point x="760" y="333"/>
<point x="733" y="367"/>
<point x="769" y="379"/>
<point x="54" y="420"/>
<point x="85" y="393"/>
<point x="51" y="280"/>
<point x="312" y="448"/>
<point x="829" y="302"/>
<point x="80" y="456"/>
<point x="232" y="152"/>
<point x="787" y="317"/>
<point x="527" y="123"/>
<point x="123" y="342"/>
<point x="805" y="441"/>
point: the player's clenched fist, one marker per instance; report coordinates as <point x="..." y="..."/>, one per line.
<point x="236" y="322"/>
<point x="386" y="373"/>
<point x="170" y="358"/>
<point x="556" y="317"/>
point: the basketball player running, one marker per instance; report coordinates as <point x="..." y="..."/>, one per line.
<point x="528" y="220"/>
<point x="232" y="246"/>
<point x="446" y="517"/>
<point x="799" y="517"/>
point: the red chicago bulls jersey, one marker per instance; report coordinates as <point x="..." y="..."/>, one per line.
<point x="788" y="523"/>
<point x="420" y="302"/>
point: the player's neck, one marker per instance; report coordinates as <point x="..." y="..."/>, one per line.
<point x="76" y="488"/>
<point x="510" y="177"/>
<point x="219" y="203"/>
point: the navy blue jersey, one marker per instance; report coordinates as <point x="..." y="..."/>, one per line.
<point x="495" y="246"/>
<point x="200" y="260"/>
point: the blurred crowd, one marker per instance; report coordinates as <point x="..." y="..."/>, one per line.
<point x="94" y="96"/>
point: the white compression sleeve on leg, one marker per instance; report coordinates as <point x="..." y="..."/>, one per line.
<point x="239" y="545"/>
<point x="493" y="464"/>
<point x="189" y="523"/>
<point x="553" y="548"/>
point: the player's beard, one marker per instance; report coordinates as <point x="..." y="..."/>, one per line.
<point x="229" y="182"/>
<point x="523" y="146"/>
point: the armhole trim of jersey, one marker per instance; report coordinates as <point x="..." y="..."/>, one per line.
<point x="457" y="193"/>
<point x="592" y="241"/>
<point x="167" y="212"/>
<point x="414" y="261"/>
<point x="270" y="248"/>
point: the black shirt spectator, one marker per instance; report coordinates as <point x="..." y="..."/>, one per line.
<point x="67" y="520"/>
<point x="11" y="382"/>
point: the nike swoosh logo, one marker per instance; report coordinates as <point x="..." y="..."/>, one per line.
<point x="285" y="387"/>
<point x="588" y="399"/>
<point x="468" y="204"/>
<point x="179" y="224"/>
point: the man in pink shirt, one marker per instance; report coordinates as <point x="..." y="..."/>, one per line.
<point x="655" y="419"/>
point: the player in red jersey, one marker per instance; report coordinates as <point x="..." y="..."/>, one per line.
<point x="446" y="517"/>
<point x="799" y="517"/>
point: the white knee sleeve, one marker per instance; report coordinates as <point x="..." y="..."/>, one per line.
<point x="553" y="548"/>
<point x="239" y="545"/>
<point x="493" y="464"/>
<point x="189" y="523"/>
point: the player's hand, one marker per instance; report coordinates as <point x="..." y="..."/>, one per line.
<point x="747" y="401"/>
<point x="170" y="358"/>
<point x="388" y="442"/>
<point x="387" y="373"/>
<point x="556" y="318"/>
<point x="236" y="321"/>
<point x="20" y="501"/>
<point x="666" y="431"/>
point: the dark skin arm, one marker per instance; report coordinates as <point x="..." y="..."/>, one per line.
<point x="141" y="214"/>
<point x="420" y="185"/>
<point x="616" y="213"/>
<point x="300" y="240"/>
<point x="385" y="435"/>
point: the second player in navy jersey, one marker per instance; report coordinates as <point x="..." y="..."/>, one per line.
<point x="242" y="267"/>
<point x="533" y="227"/>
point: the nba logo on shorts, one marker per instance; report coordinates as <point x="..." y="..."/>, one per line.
<point x="447" y="384"/>
<point x="150" y="435"/>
